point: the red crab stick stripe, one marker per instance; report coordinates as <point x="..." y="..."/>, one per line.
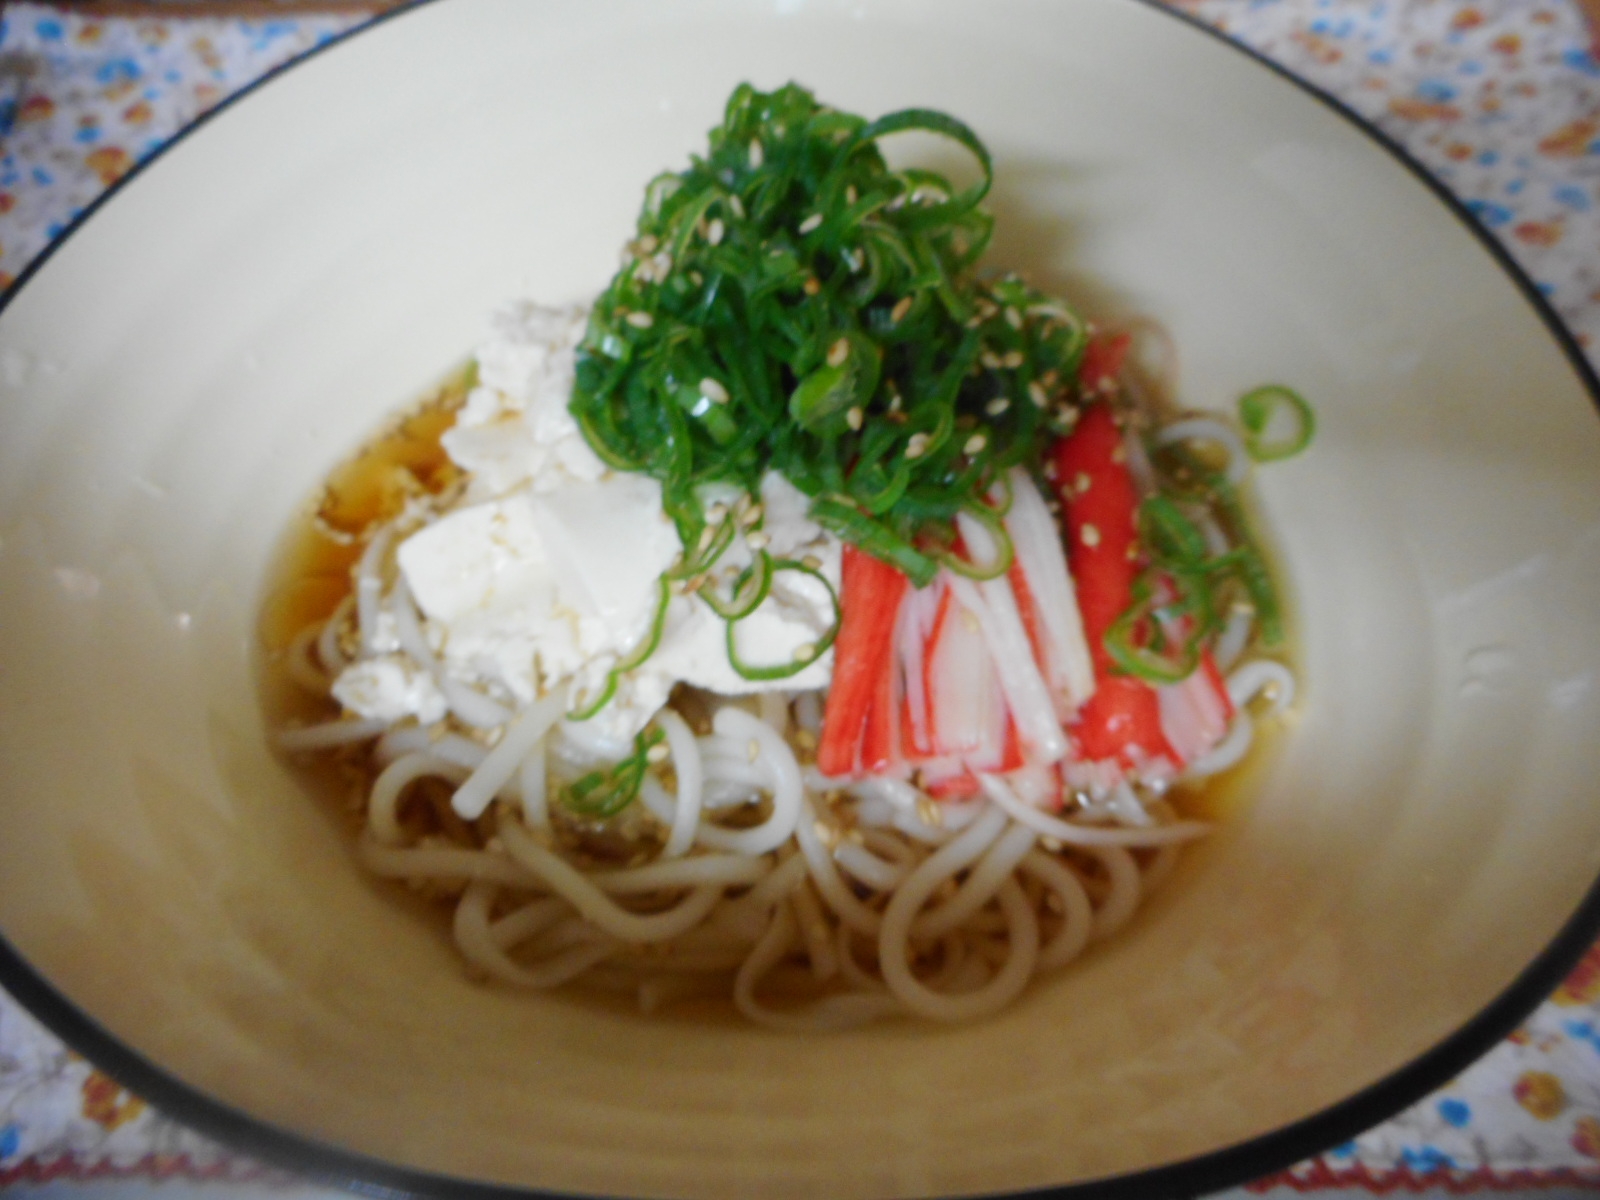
<point x="880" y="741"/>
<point x="870" y="596"/>
<point x="1122" y="720"/>
<point x="1102" y="364"/>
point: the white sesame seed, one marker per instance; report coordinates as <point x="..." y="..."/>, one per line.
<point x="975" y="444"/>
<point x="899" y="311"/>
<point x="713" y="390"/>
<point x="1080" y="482"/>
<point x="736" y="207"/>
<point x="705" y="537"/>
<point x="805" y="652"/>
<point x="1013" y="359"/>
<point x="826" y="834"/>
<point x="997" y="406"/>
<point x="850" y="194"/>
<point x="1013" y="318"/>
<point x="916" y="445"/>
<point x="757" y="155"/>
<point x="839" y="352"/>
<point x="714" y="231"/>
<point x="814" y="221"/>
<point x="855" y="258"/>
<point x="758" y="539"/>
<point x="812" y="561"/>
<point x="752" y="515"/>
<point x="1090" y="536"/>
<point x="640" y="320"/>
<point x="647" y="244"/>
<point x="657" y="753"/>
<point x="1038" y="395"/>
<point x="855" y="417"/>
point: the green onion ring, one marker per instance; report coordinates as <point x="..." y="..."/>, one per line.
<point x="1258" y="409"/>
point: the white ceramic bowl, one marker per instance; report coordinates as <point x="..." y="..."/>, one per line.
<point x="1414" y="870"/>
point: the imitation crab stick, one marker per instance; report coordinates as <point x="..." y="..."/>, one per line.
<point x="1045" y="599"/>
<point x="1122" y="720"/>
<point x="863" y="655"/>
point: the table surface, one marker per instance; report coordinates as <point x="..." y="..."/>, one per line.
<point x="1499" y="99"/>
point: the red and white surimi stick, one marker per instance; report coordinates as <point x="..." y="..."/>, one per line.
<point x="919" y="617"/>
<point x="965" y="699"/>
<point x="1043" y="588"/>
<point x="994" y="605"/>
<point x="1197" y="713"/>
<point x="1121" y="722"/>
<point x="869" y="603"/>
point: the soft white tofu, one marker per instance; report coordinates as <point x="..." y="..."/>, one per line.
<point x="482" y="557"/>
<point x="608" y="543"/>
<point x="390" y="688"/>
<point x="547" y="571"/>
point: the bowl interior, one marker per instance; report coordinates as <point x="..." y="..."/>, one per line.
<point x="178" y="378"/>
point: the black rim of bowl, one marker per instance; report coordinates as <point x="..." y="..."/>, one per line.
<point x="1229" y="1167"/>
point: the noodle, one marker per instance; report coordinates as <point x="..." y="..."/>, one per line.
<point x="886" y="903"/>
<point x="674" y="686"/>
<point x="686" y="762"/>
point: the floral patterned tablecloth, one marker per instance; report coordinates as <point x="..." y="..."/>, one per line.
<point x="1500" y="99"/>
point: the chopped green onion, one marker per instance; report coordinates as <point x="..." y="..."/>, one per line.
<point x="1169" y="536"/>
<point x="1273" y="404"/>
<point x="1251" y="566"/>
<point x="750" y="589"/>
<point x="834" y="302"/>
<point x="1004" y="550"/>
<point x="640" y="653"/>
<point x="817" y="649"/>
<point x="1140" y="641"/>
<point x="605" y="793"/>
<point x="876" y="539"/>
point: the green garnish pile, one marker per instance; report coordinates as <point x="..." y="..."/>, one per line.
<point x="792" y="303"/>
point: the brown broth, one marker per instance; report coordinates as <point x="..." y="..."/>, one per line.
<point x="310" y="577"/>
<point x="311" y="571"/>
<point x="312" y="574"/>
